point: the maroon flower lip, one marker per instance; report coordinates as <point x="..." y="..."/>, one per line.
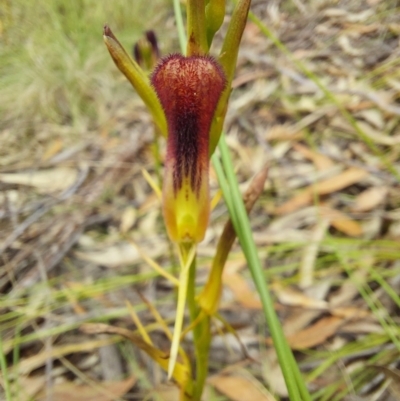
<point x="189" y="89"/>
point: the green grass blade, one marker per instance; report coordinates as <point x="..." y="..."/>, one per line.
<point x="223" y="183"/>
<point x="3" y="366"/>
<point x="295" y="383"/>
<point x="180" y="26"/>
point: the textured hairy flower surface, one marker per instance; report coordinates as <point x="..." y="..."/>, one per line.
<point x="189" y="89"/>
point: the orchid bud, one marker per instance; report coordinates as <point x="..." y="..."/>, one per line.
<point x="136" y="76"/>
<point x="146" y="52"/>
<point x="215" y="13"/>
<point x="189" y="89"/>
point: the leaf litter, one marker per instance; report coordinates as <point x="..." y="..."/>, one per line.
<point x="327" y="224"/>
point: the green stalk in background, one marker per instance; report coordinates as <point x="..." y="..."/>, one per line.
<point x="295" y="383"/>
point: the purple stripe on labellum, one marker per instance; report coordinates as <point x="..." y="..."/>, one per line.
<point x="186" y="147"/>
<point x="189" y="89"/>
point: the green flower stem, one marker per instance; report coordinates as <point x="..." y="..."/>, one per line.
<point x="180" y="26"/>
<point x="196" y="28"/>
<point x="201" y="330"/>
<point x="294" y="381"/>
<point x="201" y="335"/>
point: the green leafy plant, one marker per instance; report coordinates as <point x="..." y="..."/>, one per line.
<point x="187" y="96"/>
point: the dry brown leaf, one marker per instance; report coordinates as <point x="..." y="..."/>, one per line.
<point x="27" y="387"/>
<point x="282" y="133"/>
<point x="297" y="319"/>
<point x="370" y="199"/>
<point x="31" y="363"/>
<point x="349" y="312"/>
<point x="272" y="372"/>
<point x="261" y="90"/>
<point x="241" y="290"/>
<point x="374" y="117"/>
<point x="240" y="388"/>
<point x="235" y="266"/>
<point x="52" y="149"/>
<point x="250" y="76"/>
<point x="333" y="184"/>
<point x="107" y="391"/>
<point x="377" y="137"/>
<point x="112" y="256"/>
<point x="316" y="334"/>
<point x="56" y="179"/>
<point x="321" y="162"/>
<point x="394" y="388"/>
<point x="346" y="45"/>
<point x="291" y="297"/>
<point x="341" y="221"/>
<point x="393" y="374"/>
<point x="277" y="237"/>
<point x="363" y="326"/>
<point x="354" y="28"/>
<point x="310" y="254"/>
<point x="165" y="392"/>
<point x="251" y="33"/>
<point x="374" y="2"/>
<point x="348" y="16"/>
<point x="394" y="28"/>
<point x="128" y="219"/>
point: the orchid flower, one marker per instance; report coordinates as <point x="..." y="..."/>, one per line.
<point x="189" y="89"/>
<point x="187" y="97"/>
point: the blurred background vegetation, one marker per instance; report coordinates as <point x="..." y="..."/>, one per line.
<point x="332" y="256"/>
<point x="54" y="67"/>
